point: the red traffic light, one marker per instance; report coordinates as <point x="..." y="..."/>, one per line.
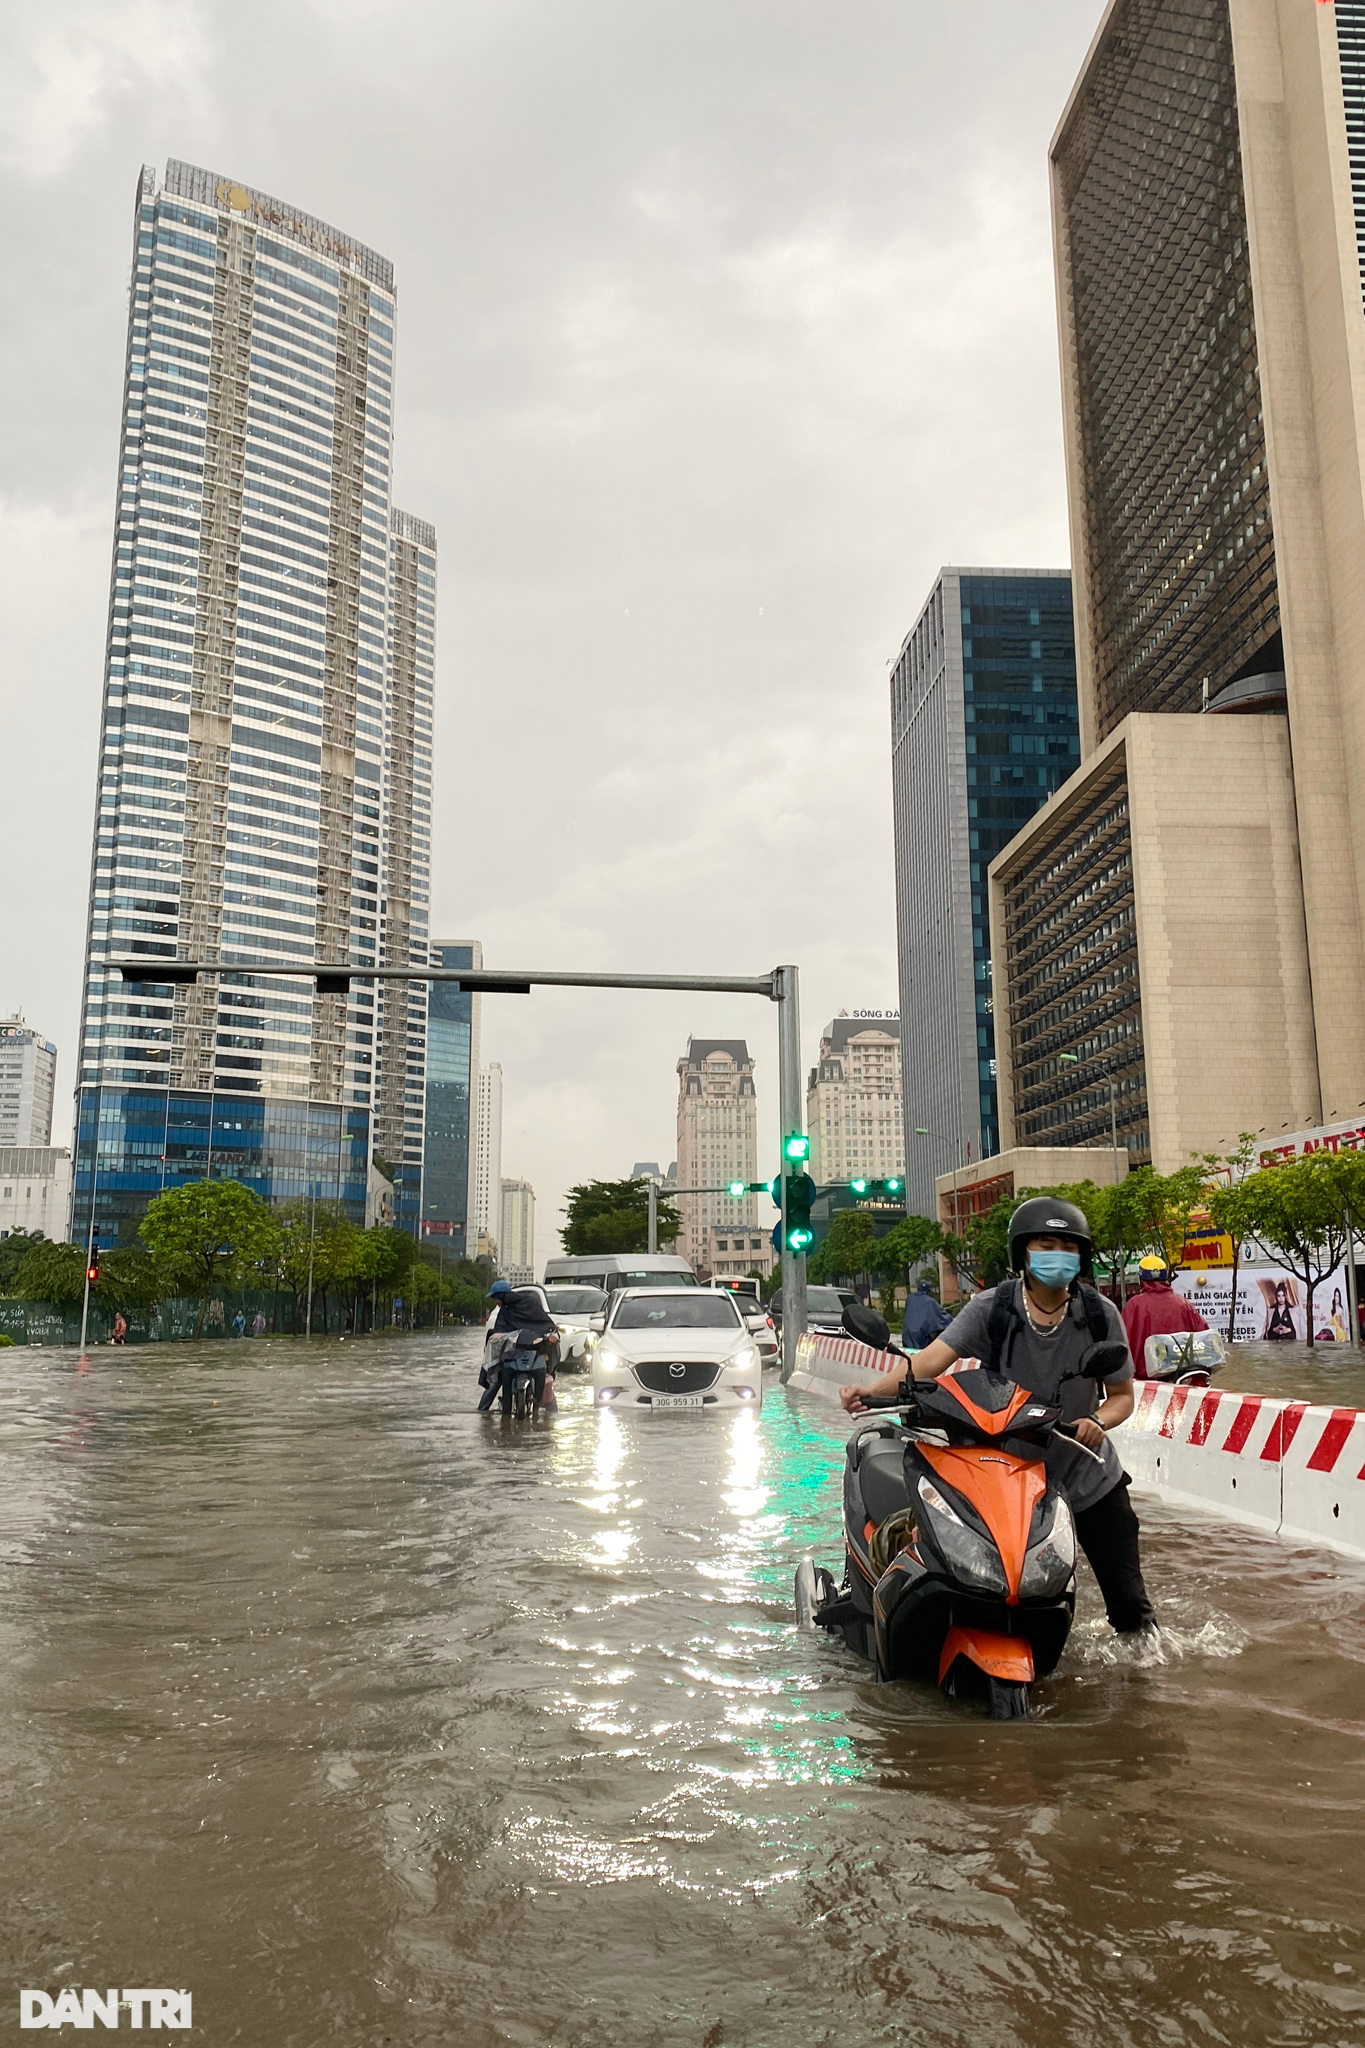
<point x="92" y="1274"/>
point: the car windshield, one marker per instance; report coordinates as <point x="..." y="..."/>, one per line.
<point x="653" y="1280"/>
<point x="824" y="1301"/>
<point x="677" y="1312"/>
<point x="575" y="1301"/>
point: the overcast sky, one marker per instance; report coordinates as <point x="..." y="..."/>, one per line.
<point x="722" y="325"/>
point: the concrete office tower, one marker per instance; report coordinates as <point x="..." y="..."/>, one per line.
<point x="1198" y="938"/>
<point x="983" y="730"/>
<point x="28" y="1075"/>
<point x="452" y="1068"/>
<point x="485" y="1202"/>
<point x="401" y="1007"/>
<point x="717" y="1139"/>
<point x="517" y="1233"/>
<point x="853" y="1099"/>
<point x="246" y="806"/>
<point x="35" y="1190"/>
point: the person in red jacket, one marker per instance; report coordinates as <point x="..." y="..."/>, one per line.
<point x="1156" y="1310"/>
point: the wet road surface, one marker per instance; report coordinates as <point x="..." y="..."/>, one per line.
<point x="367" y="1720"/>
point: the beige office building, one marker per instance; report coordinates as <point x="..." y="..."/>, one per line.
<point x="517" y="1241"/>
<point x="28" y="1075"/>
<point x="1182" y="924"/>
<point x="717" y="1140"/>
<point x="853" y="1099"/>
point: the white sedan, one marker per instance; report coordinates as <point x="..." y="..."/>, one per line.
<point x="683" y="1348"/>
<point x="573" y="1309"/>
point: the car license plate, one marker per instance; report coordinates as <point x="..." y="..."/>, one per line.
<point x="677" y="1401"/>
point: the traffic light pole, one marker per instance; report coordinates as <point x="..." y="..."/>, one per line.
<point x="787" y="996"/>
<point x="780" y="986"/>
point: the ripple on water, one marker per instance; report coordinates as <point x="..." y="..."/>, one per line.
<point x="349" y="1708"/>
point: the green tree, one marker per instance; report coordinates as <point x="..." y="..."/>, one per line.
<point x="12" y="1250"/>
<point x="613" y="1216"/>
<point x="1296" y="1212"/>
<point x="131" y="1280"/>
<point x="981" y="1252"/>
<point x="847" y="1247"/>
<point x="50" y="1272"/>
<point x="1224" y="1173"/>
<point x="209" y="1231"/>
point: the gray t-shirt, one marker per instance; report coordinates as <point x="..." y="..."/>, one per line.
<point x="1043" y="1365"/>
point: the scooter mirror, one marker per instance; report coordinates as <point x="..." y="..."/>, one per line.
<point x="1105" y="1361"/>
<point x="866" y="1325"/>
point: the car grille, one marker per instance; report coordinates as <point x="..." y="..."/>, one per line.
<point x="663" y="1376"/>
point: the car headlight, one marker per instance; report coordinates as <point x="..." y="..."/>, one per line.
<point x="970" y="1555"/>
<point x="609" y="1355"/>
<point x="1052" y="1559"/>
<point x="744" y="1356"/>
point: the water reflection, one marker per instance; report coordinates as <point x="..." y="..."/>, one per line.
<point x="368" y="1718"/>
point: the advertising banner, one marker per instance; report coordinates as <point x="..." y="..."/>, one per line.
<point x="1272" y="1306"/>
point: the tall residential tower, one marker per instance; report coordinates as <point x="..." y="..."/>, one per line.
<point x="717" y="1139"/>
<point x="267" y="708"/>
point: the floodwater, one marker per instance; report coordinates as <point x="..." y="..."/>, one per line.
<point x="370" y="1720"/>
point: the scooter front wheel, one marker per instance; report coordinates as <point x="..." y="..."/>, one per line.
<point x="1007" y="1700"/>
<point x="808" y="1596"/>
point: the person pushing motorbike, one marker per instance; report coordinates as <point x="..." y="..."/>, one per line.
<point x="1037" y="1328"/>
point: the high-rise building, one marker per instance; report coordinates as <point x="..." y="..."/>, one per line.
<point x="451" y="1106"/>
<point x="400" y="1049"/>
<point x="717" y="1139"/>
<point x="853" y="1099"/>
<point x="266" y="689"/>
<point x="485" y="1202"/>
<point x="1180" y="933"/>
<point x="983" y="729"/>
<point x="35" y="1190"/>
<point x="517" y="1233"/>
<point x="28" y="1075"/>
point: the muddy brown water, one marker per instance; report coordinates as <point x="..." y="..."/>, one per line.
<point x="367" y="1719"/>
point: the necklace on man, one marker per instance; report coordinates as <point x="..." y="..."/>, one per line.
<point x="1043" y="1329"/>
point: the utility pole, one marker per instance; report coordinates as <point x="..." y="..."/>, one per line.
<point x="312" y="1236"/>
<point x="653" y="1245"/>
<point x="90" y="1233"/>
<point x="787" y="996"/>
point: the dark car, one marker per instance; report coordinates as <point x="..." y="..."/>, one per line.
<point x="824" y="1308"/>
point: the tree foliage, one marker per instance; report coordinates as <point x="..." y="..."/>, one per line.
<point x="847" y="1250"/>
<point x="613" y="1216"/>
<point x="1296" y="1213"/>
<point x="12" y="1251"/>
<point x="209" y="1232"/>
<point x="51" y="1272"/>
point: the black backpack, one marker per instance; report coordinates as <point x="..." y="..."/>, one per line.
<point x="1006" y="1321"/>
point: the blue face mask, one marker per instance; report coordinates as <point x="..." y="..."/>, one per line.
<point x="1054" y="1269"/>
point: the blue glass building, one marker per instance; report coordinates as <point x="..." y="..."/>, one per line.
<point x="267" y="720"/>
<point x="984" y="729"/>
<point x="452" y="1067"/>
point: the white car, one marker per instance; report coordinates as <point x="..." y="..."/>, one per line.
<point x="573" y="1308"/>
<point x="683" y="1348"/>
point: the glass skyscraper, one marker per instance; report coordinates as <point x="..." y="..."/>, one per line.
<point x="983" y="718"/>
<point x="452" y="1071"/>
<point x="264" y="784"/>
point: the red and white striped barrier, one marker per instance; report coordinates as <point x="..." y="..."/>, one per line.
<point x="1287" y="1466"/>
<point x="1282" y="1465"/>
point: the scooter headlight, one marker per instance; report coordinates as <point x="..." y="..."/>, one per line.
<point x="1052" y="1559"/>
<point x="973" y="1559"/>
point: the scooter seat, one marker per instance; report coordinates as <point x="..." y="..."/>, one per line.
<point x="881" y="1478"/>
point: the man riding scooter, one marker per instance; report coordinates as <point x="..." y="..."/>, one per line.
<point x="1037" y="1328"/>
<point x="1156" y="1310"/>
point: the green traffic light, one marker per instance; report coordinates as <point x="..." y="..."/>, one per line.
<point x="859" y="1187"/>
<point x="798" y="1239"/>
<point x="797" y="1146"/>
<point x="738" y="1188"/>
<point x="893" y="1187"/>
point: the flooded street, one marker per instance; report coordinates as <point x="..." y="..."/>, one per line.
<point x="367" y="1719"/>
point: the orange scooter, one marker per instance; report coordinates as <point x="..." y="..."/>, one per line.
<point x="961" y="1554"/>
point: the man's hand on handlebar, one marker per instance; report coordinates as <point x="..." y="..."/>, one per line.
<point x="1088" y="1432"/>
<point x="852" y="1399"/>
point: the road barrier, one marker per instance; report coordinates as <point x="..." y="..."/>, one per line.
<point x="1285" y="1466"/>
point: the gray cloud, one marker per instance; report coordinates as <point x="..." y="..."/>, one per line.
<point x="721" y="326"/>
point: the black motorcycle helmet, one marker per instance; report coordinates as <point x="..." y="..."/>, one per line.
<point x="1045" y="1216"/>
